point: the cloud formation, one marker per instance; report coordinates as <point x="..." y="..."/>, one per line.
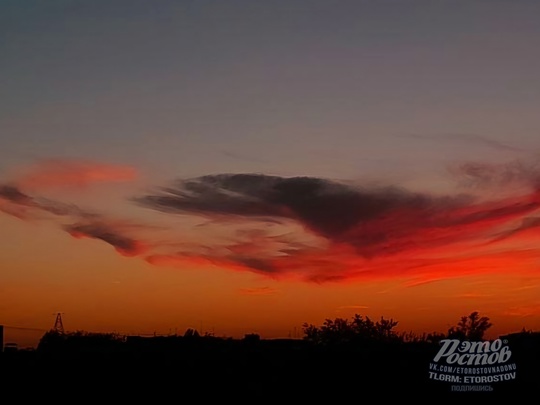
<point x="471" y="139"/>
<point x="17" y="203"/>
<point x="72" y="219"/>
<point x="518" y="173"/>
<point x="328" y="208"/>
<point x="73" y="173"/>
<point x="319" y="229"/>
<point x="106" y="232"/>
<point x="363" y="230"/>
<point x="258" y="291"/>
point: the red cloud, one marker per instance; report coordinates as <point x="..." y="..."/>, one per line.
<point x="187" y="260"/>
<point x="451" y="243"/>
<point x="355" y="233"/>
<point x="258" y="291"/>
<point x="72" y="173"/>
<point x="110" y="233"/>
<point x="522" y="312"/>
<point x="15" y="210"/>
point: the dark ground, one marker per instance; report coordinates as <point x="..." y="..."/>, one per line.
<point x="258" y="371"/>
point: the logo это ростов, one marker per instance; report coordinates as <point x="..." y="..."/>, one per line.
<point x="468" y="363"/>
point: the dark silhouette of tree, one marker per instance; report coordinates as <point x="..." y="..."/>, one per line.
<point x="471" y="327"/>
<point x="79" y="341"/>
<point x="382" y="330"/>
<point x="252" y="338"/>
<point x="340" y="330"/>
<point x="191" y="333"/>
<point x="51" y="340"/>
<point x="435" y="337"/>
<point x="311" y="333"/>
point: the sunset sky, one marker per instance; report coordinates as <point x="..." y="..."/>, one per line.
<point x="247" y="166"/>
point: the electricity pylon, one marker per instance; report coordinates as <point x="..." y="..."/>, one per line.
<point x="58" y="325"/>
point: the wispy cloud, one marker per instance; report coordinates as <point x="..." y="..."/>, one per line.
<point x="77" y="222"/>
<point x="471" y="139"/>
<point x="15" y="202"/>
<point x="362" y="229"/>
<point x="109" y="233"/>
<point x="517" y="173"/>
<point x="258" y="291"/>
<point x="316" y="229"/>
<point x="474" y="295"/>
<point x="73" y="173"/>
<point x="352" y="307"/>
<point x="523" y="311"/>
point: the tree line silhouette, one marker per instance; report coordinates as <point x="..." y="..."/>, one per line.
<point x="361" y="329"/>
<point x="339" y="352"/>
<point x="357" y="330"/>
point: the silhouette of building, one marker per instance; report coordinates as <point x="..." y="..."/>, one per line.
<point x="1" y="338"/>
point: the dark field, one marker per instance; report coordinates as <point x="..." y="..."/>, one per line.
<point x="255" y="370"/>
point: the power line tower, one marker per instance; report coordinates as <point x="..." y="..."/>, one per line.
<point x="58" y="325"/>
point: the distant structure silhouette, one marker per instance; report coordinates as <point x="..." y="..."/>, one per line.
<point x="58" y="325"/>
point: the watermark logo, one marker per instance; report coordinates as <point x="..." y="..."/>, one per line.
<point x="472" y="366"/>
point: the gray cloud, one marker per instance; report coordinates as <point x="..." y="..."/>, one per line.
<point x="327" y="207"/>
<point x="107" y="233"/>
<point x="84" y="223"/>
<point x="375" y="221"/>
<point x="483" y="175"/>
<point x="473" y="139"/>
<point x="345" y="225"/>
<point x="16" y="196"/>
